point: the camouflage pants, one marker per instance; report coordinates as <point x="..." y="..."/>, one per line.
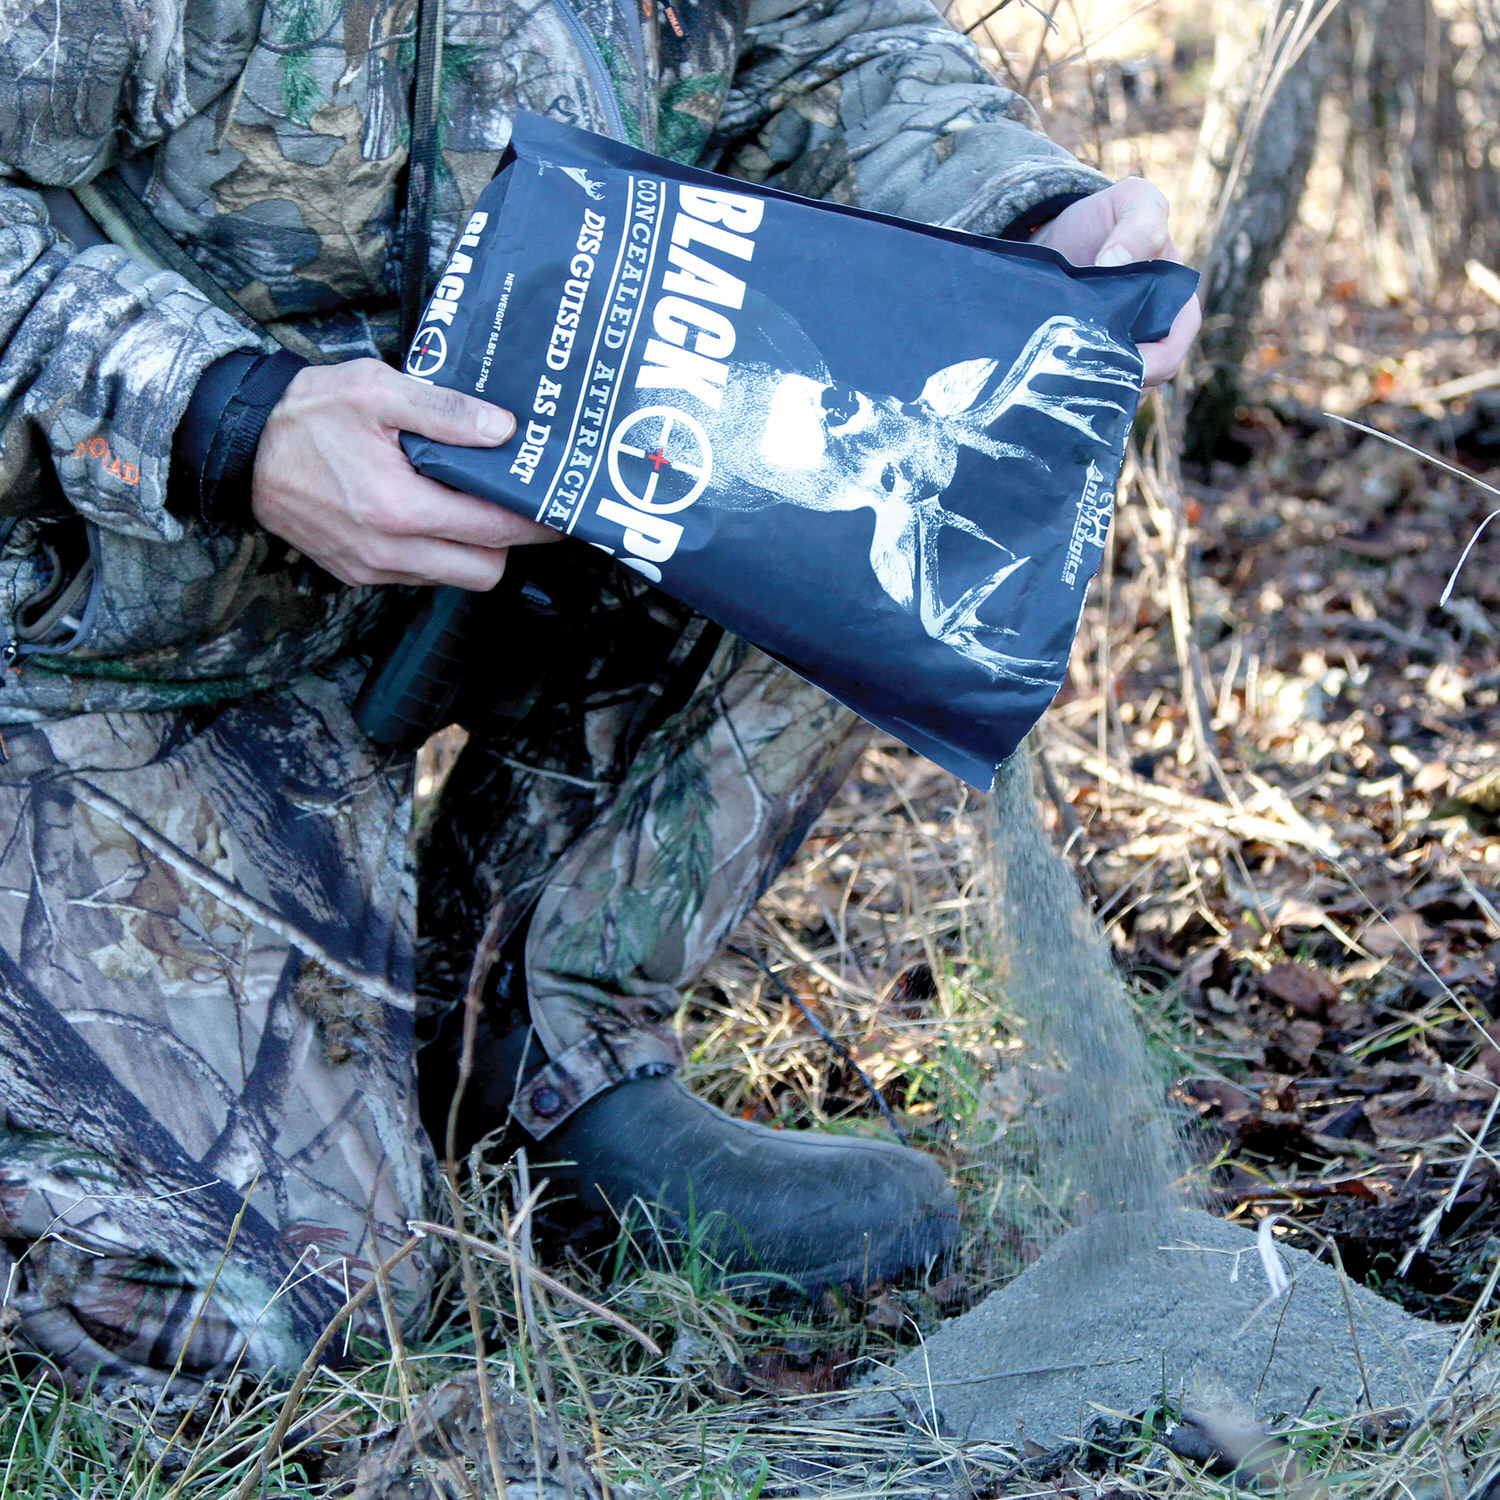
<point x="210" y="981"/>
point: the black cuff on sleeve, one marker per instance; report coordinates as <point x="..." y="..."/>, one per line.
<point x="1028" y="223"/>
<point x="213" y="449"/>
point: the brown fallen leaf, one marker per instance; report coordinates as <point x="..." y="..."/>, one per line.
<point x="1298" y="1040"/>
<point x="1293" y="912"/>
<point x="1405" y="932"/>
<point x="1313" y="1190"/>
<point x="1487" y="1064"/>
<point x="951" y="1291"/>
<point x="1424" y="1122"/>
<point x="1347" y="1124"/>
<point x="1215" y="1096"/>
<point x="1307" y="991"/>
<point x="1272" y="1127"/>
<point x="885" y="1311"/>
<point x="1203" y="967"/>
<point x="1227" y="1441"/>
<point x="778" y="1371"/>
<point x="445" y="1450"/>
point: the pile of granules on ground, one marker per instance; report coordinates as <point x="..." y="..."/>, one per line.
<point x="1175" y="1306"/>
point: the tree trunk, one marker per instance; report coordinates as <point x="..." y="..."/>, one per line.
<point x="1260" y="128"/>
<point x="1405" y="159"/>
<point x="1477" y="75"/>
<point x="1411" y="97"/>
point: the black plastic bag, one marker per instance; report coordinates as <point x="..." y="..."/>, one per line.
<point x="885" y="454"/>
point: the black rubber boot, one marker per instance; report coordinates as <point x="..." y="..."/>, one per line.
<point x="815" y="1209"/>
<point x="794" y="1206"/>
<point x="797" y="1206"/>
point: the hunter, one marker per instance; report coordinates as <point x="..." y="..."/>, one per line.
<point x="229" y="970"/>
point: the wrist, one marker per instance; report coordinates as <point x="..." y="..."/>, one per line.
<point x="1026" y="224"/>
<point x="215" y="445"/>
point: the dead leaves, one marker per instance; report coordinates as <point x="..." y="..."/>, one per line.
<point x="1477" y="802"/>
<point x="784" y="1371"/>
<point x="1405" y="932"/>
<point x="450" y="1447"/>
<point x="1368" y="1159"/>
<point x="1268" y="1125"/>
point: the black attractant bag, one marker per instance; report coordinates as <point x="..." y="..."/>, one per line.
<point x="883" y="453"/>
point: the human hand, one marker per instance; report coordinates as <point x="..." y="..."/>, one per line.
<point x="1123" y="223"/>
<point x="330" y="478"/>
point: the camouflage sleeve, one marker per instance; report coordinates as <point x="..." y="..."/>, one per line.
<point x="98" y="354"/>
<point x="880" y="103"/>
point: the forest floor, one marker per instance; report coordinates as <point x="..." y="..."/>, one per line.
<point x="1303" y="886"/>
<point x="1331" y="969"/>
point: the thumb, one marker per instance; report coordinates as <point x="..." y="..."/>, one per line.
<point x="1140" y="227"/>
<point x="445" y="416"/>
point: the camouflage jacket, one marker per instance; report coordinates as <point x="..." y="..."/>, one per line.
<point x="270" y="140"/>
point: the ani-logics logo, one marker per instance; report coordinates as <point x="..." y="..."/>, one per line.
<point x="1091" y="525"/>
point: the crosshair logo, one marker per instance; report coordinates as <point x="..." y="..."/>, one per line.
<point x="660" y="460"/>
<point x="428" y="351"/>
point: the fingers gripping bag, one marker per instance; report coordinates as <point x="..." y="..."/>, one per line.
<point x="883" y="453"/>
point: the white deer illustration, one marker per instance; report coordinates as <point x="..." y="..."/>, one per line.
<point x="800" y="439"/>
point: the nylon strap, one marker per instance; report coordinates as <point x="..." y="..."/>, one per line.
<point x="422" y="163"/>
<point x="118" y="211"/>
